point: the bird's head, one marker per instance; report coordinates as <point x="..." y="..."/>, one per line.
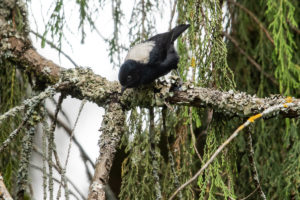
<point x="129" y="75"/>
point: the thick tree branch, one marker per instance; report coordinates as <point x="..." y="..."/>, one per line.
<point x="19" y="49"/>
<point x="4" y="194"/>
<point x="83" y="83"/>
<point x="112" y="128"/>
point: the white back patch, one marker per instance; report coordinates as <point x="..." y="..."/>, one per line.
<point x="140" y="52"/>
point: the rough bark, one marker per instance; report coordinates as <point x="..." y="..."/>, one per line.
<point x="4" y="194"/>
<point x="83" y="83"/>
<point x="112" y="129"/>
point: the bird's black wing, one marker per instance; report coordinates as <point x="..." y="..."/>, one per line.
<point x="164" y="41"/>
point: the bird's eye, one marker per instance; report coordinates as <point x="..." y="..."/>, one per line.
<point x="129" y="77"/>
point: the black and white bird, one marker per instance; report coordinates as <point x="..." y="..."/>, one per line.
<point x="151" y="59"/>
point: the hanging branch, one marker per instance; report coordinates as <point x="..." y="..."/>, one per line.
<point x="154" y="156"/>
<point x="13" y="134"/>
<point x="52" y="45"/>
<point x="293" y="27"/>
<point x="62" y="111"/>
<point x="112" y="128"/>
<point x="169" y="150"/>
<point x="173" y="9"/>
<point x="59" y="182"/>
<point x="51" y="145"/>
<point x="68" y="153"/>
<point x="44" y="155"/>
<point x="249" y="195"/>
<point x="253" y="169"/>
<point x="270" y="110"/>
<point x="85" y="157"/>
<point x="193" y="135"/>
<point x="29" y="103"/>
<point x="22" y="177"/>
<point x="254" y="18"/>
<point x="38" y="152"/>
<point x="250" y="59"/>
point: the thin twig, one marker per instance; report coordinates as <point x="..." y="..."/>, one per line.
<point x="250" y="59"/>
<point x="28" y="114"/>
<point x="249" y="195"/>
<point x="13" y="134"/>
<point x="143" y="19"/>
<point x="51" y="145"/>
<point x="85" y="157"/>
<point x="70" y="145"/>
<point x="193" y="135"/>
<point x="94" y="27"/>
<point x="69" y="131"/>
<point x="172" y="13"/>
<point x="44" y="154"/>
<point x="52" y="45"/>
<point x="170" y="154"/>
<point x="50" y="91"/>
<point x="38" y="152"/>
<point x="272" y="109"/>
<point x="252" y="15"/>
<point x="55" y="179"/>
<point x="209" y="117"/>
<point x="253" y="169"/>
<point x="61" y="110"/>
<point x="23" y="171"/>
<point x="293" y="27"/>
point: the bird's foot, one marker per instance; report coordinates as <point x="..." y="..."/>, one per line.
<point x="176" y="82"/>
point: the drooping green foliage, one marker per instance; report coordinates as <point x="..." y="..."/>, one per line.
<point x="266" y="32"/>
<point x="281" y="15"/>
<point x="206" y="54"/>
<point x="251" y="46"/>
<point x="58" y="22"/>
<point x="13" y="87"/>
<point x="211" y="59"/>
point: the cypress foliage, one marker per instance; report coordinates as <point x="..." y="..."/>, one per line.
<point x="250" y="46"/>
<point x="13" y="86"/>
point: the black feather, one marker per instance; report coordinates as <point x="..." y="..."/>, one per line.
<point x="147" y="61"/>
<point x="165" y="41"/>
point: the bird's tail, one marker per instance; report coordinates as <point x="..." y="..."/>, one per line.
<point x="178" y="30"/>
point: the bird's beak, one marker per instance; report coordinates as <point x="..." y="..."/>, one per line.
<point x="123" y="89"/>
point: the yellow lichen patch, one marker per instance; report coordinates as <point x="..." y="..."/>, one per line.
<point x="193" y="62"/>
<point x="253" y="118"/>
<point x="284" y="105"/>
<point x="289" y="99"/>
